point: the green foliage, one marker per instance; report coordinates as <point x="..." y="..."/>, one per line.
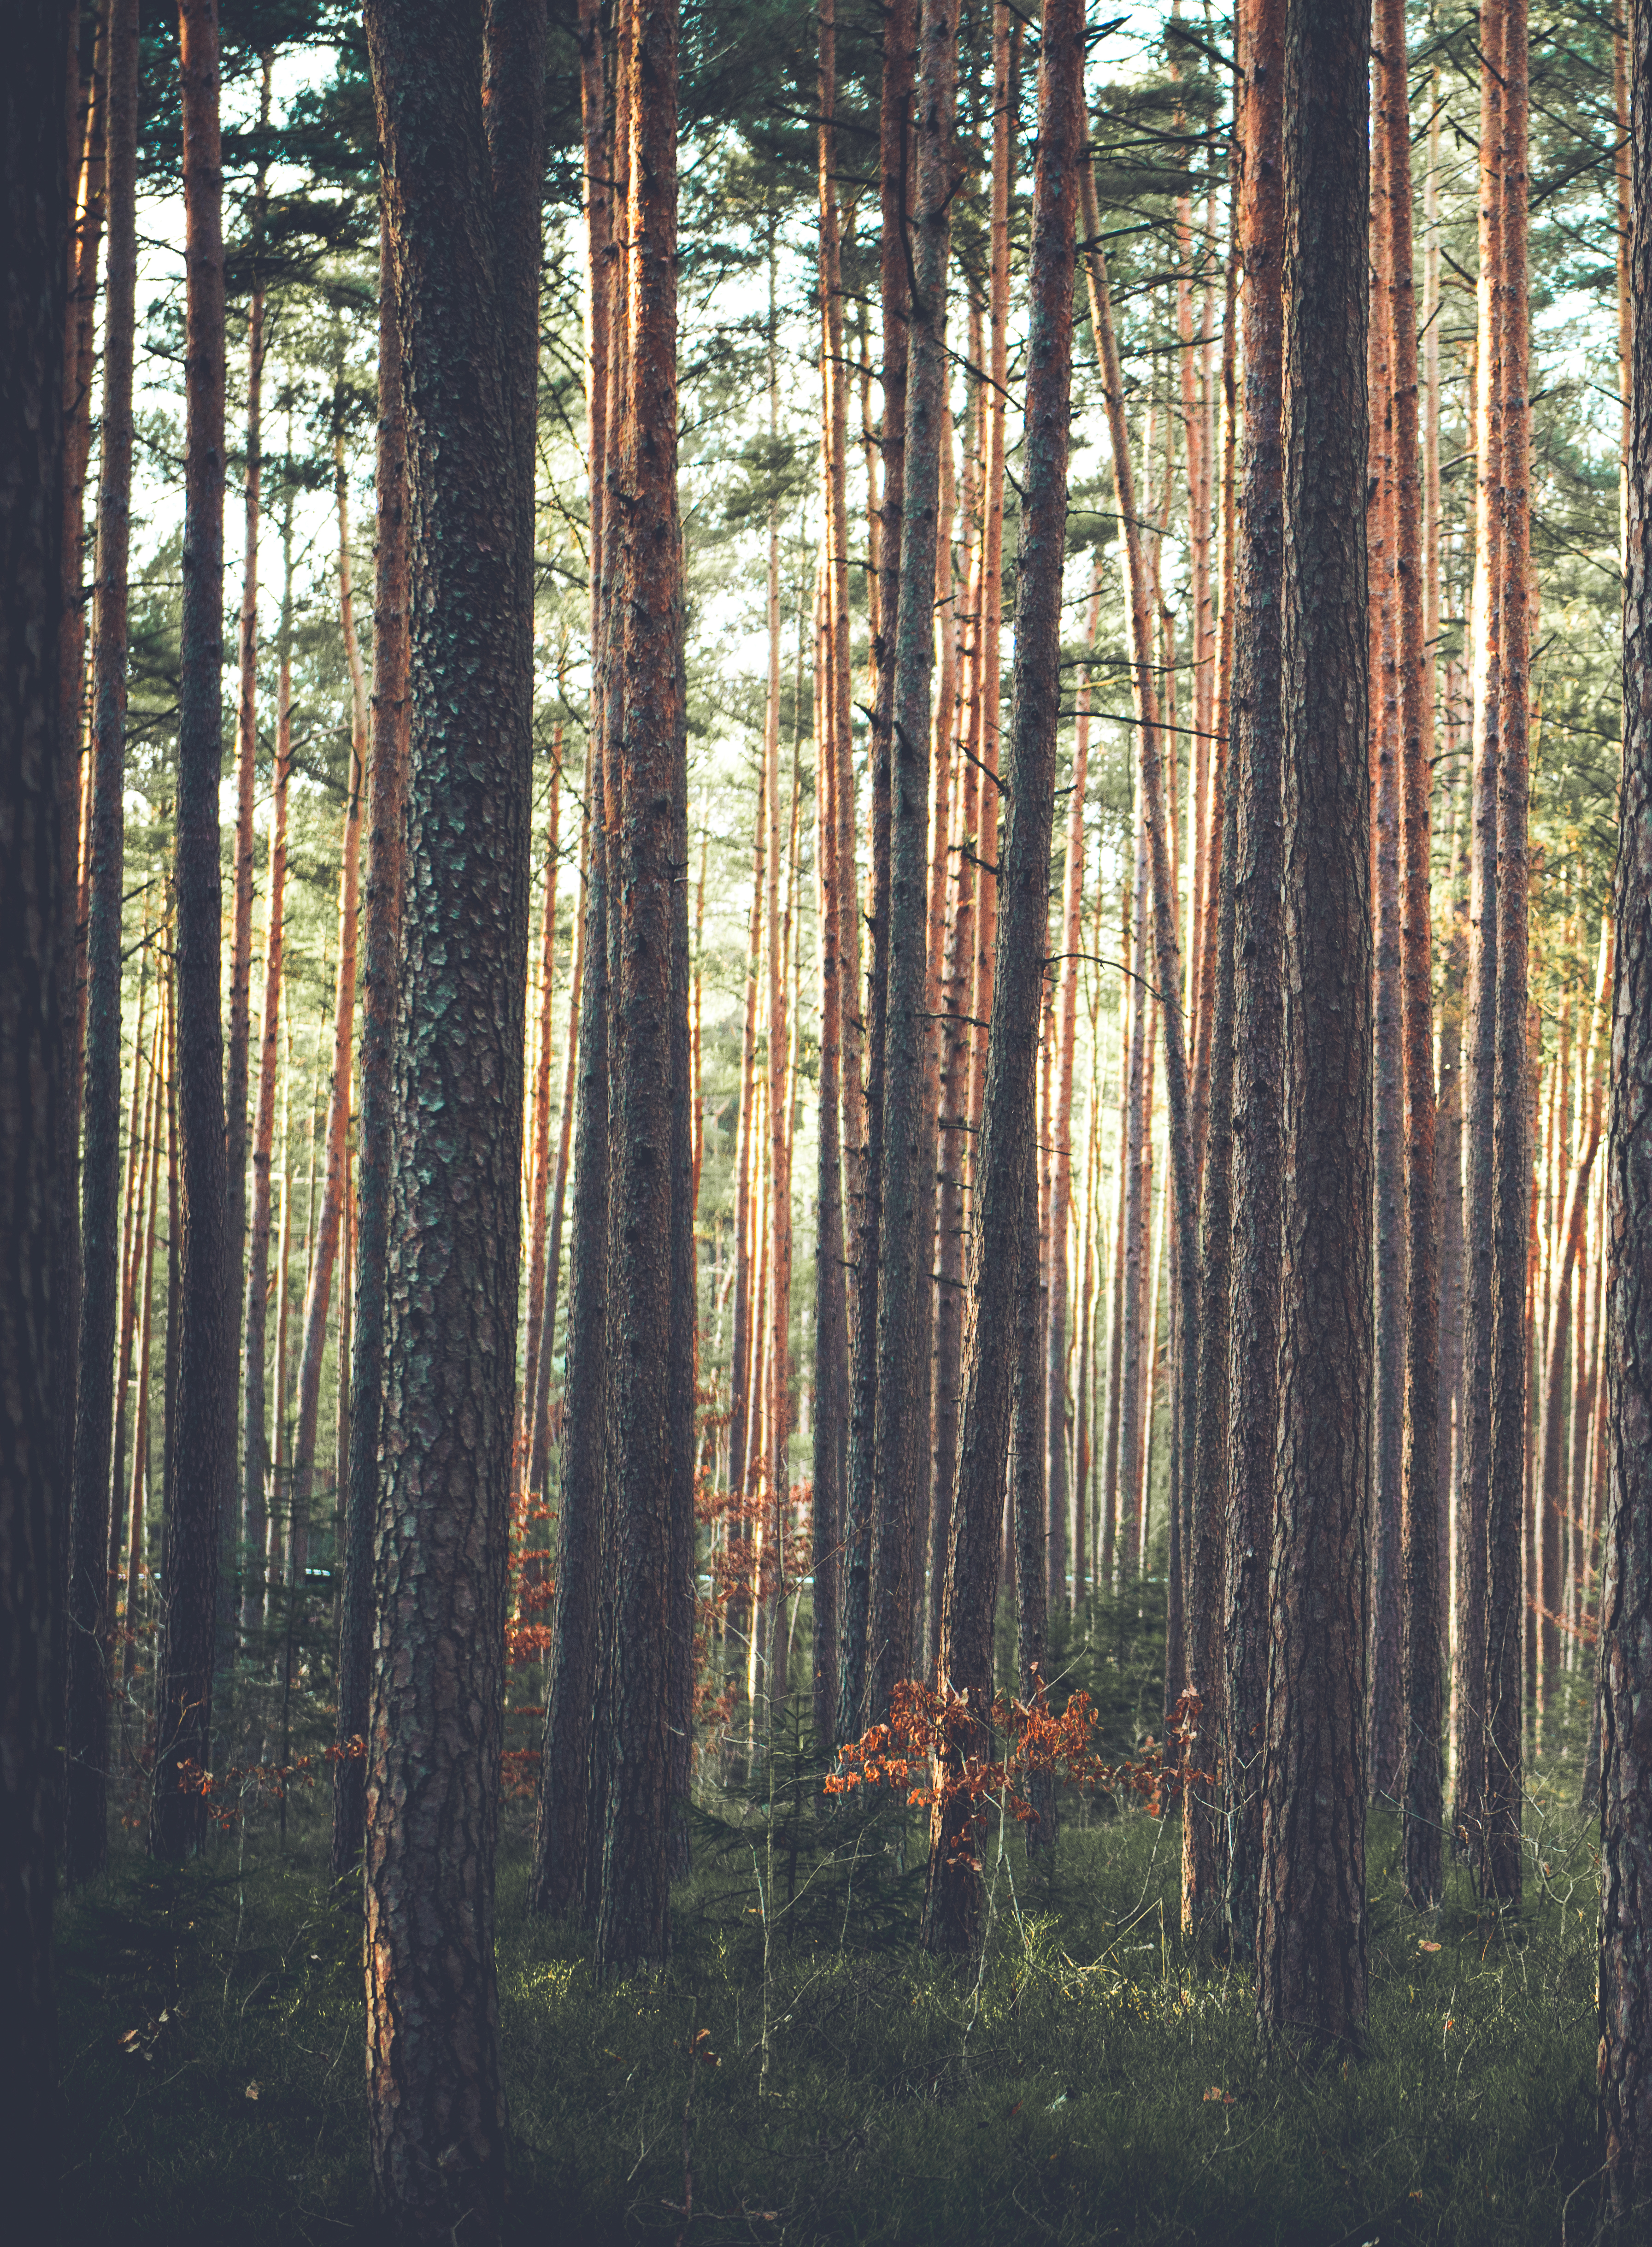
<point x="1090" y="2077"/>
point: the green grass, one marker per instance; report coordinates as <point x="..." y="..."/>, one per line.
<point x="861" y="2091"/>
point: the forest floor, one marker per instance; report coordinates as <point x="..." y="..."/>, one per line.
<point x="802" y="2073"/>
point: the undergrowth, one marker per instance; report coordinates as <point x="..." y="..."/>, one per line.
<point x="802" y="2073"/>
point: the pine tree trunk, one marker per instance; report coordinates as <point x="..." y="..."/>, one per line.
<point x="203" y="1436"/>
<point x="1003" y="1195"/>
<point x="539" y="1446"/>
<point x="1474" y="1495"/>
<point x="1419" y="1508"/>
<point x="858" y="1653"/>
<point x="1512" y="1164"/>
<point x="1311" y="1915"/>
<point x="539" y="1159"/>
<point x="1625" y="2007"/>
<point x="87" y="1713"/>
<point x="246" y="770"/>
<point x="633" y="1924"/>
<point x="907" y="1169"/>
<point x="1027" y="1496"/>
<point x="386" y="803"/>
<point x="34" y="239"/>
<point x="465" y="248"/>
<point x="259" y="1452"/>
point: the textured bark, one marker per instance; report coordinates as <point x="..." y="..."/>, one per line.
<point x="34" y="251"/>
<point x="1311" y="1914"/>
<point x="856" y="1646"/>
<point x="633" y="1924"/>
<point x="1512" y="1162"/>
<point x="326" y="1222"/>
<point x="1389" y="1325"/>
<point x="907" y="1170"/>
<point x="460" y="243"/>
<point x="1624" y="2069"/>
<point x="1060" y="1198"/>
<point x="831" y="727"/>
<point x="1028" y="1498"/>
<point x="236" y="1062"/>
<point x="203" y="1444"/>
<point x="96" y="1467"/>
<point x="1419" y="1508"/>
<point x="386" y="804"/>
<point x="539" y="1159"/>
<point x="258" y="1450"/>
<point x="1474" y="1496"/>
<point x="1154" y="821"/>
<point x="539" y="1447"/>
<point x="954" y="1897"/>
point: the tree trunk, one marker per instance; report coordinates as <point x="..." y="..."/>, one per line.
<point x="1027" y="1493"/>
<point x="259" y="1451"/>
<point x="1625" y="2008"/>
<point x="386" y="804"/>
<point x="35" y="198"/>
<point x="324" y="1225"/>
<point x="539" y="1186"/>
<point x="1419" y="1508"/>
<point x="907" y="1170"/>
<point x="1311" y="1916"/>
<point x="1474" y="1494"/>
<point x="246" y="768"/>
<point x="1512" y="1164"/>
<point x="633" y="1925"/>
<point x="859" y="1655"/>
<point x="954" y="1897"/>
<point x="203" y="1445"/>
<point x="465" y="250"/>
<point x="87" y="1714"/>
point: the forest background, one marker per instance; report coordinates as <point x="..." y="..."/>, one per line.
<point x="301" y="227"/>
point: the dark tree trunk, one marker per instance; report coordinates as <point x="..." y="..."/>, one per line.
<point x="1419" y="1504"/>
<point x="1474" y="1495"/>
<point x="1311" y="1919"/>
<point x="1624" y="2012"/>
<point x="633" y="1924"/>
<point x="907" y="1181"/>
<point x="202" y="1464"/>
<point x="1027" y="1497"/>
<point x="1512" y="1161"/>
<point x="857" y="1651"/>
<point x="386" y="801"/>
<point x="95" y="1473"/>
<point x="952" y="1901"/>
<point x="35" y="218"/>
<point x="459" y="241"/>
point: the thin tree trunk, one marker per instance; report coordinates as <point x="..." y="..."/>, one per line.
<point x="1003" y="1196"/>
<point x="203" y="1446"/>
<point x="386" y="877"/>
<point x="1501" y="1861"/>
<point x="324" y="1225"/>
<point x="540" y="1157"/>
<point x="87" y="1714"/>
<point x="633" y="1925"/>
<point x="1311" y="1914"/>
<point x="1474" y="1495"/>
<point x="134" y="1510"/>
<point x="246" y="765"/>
<point x="1027" y="1493"/>
<point x="1625" y="1996"/>
<point x="1419" y="1507"/>
<point x="539" y="1448"/>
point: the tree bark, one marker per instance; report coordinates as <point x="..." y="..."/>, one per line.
<point x="1311" y="1914"/>
<point x="376" y="1161"/>
<point x="633" y="1924"/>
<point x="907" y="1169"/>
<point x="539" y="1160"/>
<point x="35" y="198"/>
<point x="1512" y="1162"/>
<point x="1624" y="2073"/>
<point x="954" y="1896"/>
<point x="203" y="1439"/>
<point x="95" y="1470"/>
<point x="465" y="254"/>
<point x="259" y="1451"/>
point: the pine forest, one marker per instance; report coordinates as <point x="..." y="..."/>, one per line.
<point x="826" y="1122"/>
